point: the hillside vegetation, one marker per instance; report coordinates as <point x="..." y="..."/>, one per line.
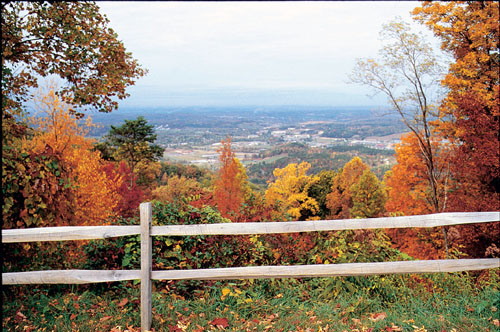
<point x="53" y="174"/>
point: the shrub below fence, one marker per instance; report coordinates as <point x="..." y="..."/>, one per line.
<point x="205" y="245"/>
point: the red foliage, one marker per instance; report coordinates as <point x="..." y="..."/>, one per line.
<point x="203" y="198"/>
<point x="476" y="162"/>
<point x="476" y="168"/>
<point x="130" y="194"/>
<point x="291" y="248"/>
<point x="220" y="323"/>
<point x="418" y="243"/>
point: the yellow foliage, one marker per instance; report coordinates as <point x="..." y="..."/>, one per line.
<point x="176" y="188"/>
<point x="288" y="194"/>
<point x="95" y="194"/>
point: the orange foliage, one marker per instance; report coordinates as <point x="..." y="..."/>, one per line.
<point x="408" y="187"/>
<point x="470" y="113"/>
<point x="95" y="195"/>
<point x="230" y="184"/>
<point x="470" y="30"/>
<point x="339" y="201"/>
<point x="406" y="184"/>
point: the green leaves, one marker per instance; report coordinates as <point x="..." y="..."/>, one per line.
<point x="133" y="141"/>
<point x="73" y="42"/>
<point x="31" y="183"/>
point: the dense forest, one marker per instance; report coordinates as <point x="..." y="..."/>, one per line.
<point x="320" y="159"/>
<point x="53" y="174"/>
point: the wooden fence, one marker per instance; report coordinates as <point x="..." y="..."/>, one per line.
<point x="146" y="231"/>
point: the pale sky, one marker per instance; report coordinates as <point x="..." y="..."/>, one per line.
<point x="251" y="53"/>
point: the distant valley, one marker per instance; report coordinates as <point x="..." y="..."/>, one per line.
<point x="268" y="137"/>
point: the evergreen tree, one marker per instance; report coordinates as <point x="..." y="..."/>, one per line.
<point x="134" y="142"/>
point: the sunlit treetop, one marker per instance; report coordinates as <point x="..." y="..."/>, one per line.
<point x="470" y="31"/>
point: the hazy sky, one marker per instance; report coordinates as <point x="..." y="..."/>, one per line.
<point x="251" y="53"/>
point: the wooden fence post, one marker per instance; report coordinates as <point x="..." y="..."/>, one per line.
<point x="146" y="262"/>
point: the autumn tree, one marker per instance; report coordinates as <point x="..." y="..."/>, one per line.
<point x="407" y="191"/>
<point x="71" y="40"/>
<point x="339" y="200"/>
<point x="407" y="186"/>
<point x="408" y="73"/>
<point x="368" y="197"/>
<point x="94" y="194"/>
<point x="470" y="31"/>
<point x="319" y="190"/>
<point x="470" y="114"/>
<point x="288" y="194"/>
<point x="130" y="195"/>
<point x="231" y="185"/>
<point x="133" y="141"/>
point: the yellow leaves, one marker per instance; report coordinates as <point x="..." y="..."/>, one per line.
<point x="236" y="293"/>
<point x="94" y="194"/>
<point x="288" y="194"/>
<point x="225" y="292"/>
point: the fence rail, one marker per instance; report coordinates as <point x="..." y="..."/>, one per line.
<point x="146" y="231"/>
<point x="103" y="232"/>
<point x="66" y="233"/>
<point x="253" y="272"/>
<point x="68" y="276"/>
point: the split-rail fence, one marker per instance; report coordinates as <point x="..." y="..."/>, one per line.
<point x="146" y="231"/>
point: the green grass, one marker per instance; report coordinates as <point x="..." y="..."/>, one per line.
<point x="439" y="302"/>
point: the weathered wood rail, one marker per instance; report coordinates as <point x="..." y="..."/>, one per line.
<point x="146" y="231"/>
<point x="104" y="232"/>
